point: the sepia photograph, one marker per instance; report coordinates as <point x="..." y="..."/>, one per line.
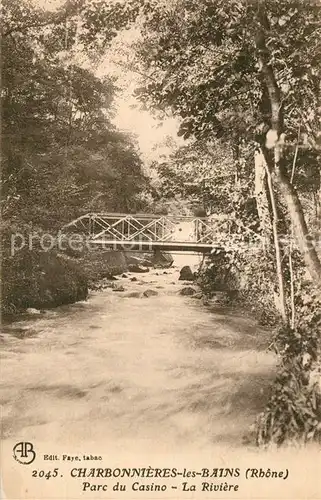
<point x="160" y="249"/>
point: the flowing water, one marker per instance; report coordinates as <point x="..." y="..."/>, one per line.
<point x="135" y="371"/>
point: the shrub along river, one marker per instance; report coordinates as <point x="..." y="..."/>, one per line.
<point x="163" y="369"/>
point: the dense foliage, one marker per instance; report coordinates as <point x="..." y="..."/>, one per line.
<point x="62" y="156"/>
<point x="294" y="410"/>
<point x="243" y="78"/>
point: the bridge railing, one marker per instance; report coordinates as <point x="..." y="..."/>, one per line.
<point x="145" y="227"/>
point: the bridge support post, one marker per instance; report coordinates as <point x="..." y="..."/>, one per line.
<point x="157" y="255"/>
<point x="90" y="226"/>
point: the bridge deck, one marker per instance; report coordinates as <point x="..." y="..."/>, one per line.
<point x="174" y="246"/>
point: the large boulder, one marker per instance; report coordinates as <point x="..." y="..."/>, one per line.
<point x="186" y="274"/>
<point x="97" y="264"/>
<point x="137" y="268"/>
<point x="37" y="280"/>
<point x="158" y="259"/>
<point x="162" y="259"/>
<point x="138" y="260"/>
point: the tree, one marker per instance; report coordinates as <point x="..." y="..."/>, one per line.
<point x="61" y="152"/>
<point x="204" y="173"/>
<point x="240" y="69"/>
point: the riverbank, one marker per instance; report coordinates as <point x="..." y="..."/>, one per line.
<point x="42" y="280"/>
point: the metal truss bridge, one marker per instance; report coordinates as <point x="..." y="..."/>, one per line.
<point x="145" y="232"/>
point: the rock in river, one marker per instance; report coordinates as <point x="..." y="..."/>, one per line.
<point x="150" y="293"/>
<point x="137" y="268"/>
<point x="118" y="288"/>
<point x="162" y="260"/>
<point x="133" y="295"/>
<point x="188" y="290"/>
<point x="186" y="274"/>
<point x="138" y="260"/>
<point x="32" y="310"/>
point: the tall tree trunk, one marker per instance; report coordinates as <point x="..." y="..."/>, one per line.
<point x="262" y="197"/>
<point x="236" y="159"/>
<point x="273" y="142"/>
<point x="278" y="253"/>
<point x="303" y="237"/>
<point x="318" y="209"/>
<point x="317" y="206"/>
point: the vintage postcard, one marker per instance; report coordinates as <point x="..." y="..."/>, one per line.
<point x="161" y="249"/>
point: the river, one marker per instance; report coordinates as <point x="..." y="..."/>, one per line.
<point x="134" y="369"/>
<point x="164" y="381"/>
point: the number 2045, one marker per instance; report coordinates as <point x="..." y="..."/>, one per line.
<point x="44" y="474"/>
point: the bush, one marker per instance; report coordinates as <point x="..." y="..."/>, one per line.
<point x="293" y="413"/>
<point x="220" y="273"/>
<point x="251" y="274"/>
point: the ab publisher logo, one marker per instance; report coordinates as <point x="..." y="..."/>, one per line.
<point x="24" y="453"/>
